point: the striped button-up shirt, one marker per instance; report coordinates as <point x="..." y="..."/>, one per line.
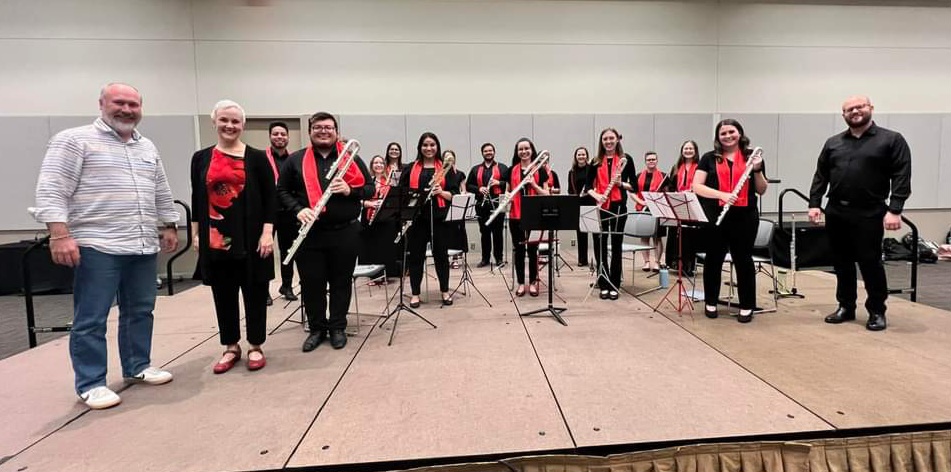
<point x="111" y="194"/>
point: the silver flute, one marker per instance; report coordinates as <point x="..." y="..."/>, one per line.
<point x="533" y="168"/>
<point x="757" y="152"/>
<point x="337" y="169"/>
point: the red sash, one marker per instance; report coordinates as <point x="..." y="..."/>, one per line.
<point x="495" y="175"/>
<point x="685" y="176"/>
<point x="353" y="177"/>
<point x="726" y="182"/>
<point x="270" y="158"/>
<point x="515" y="213"/>
<point x="604" y="178"/>
<point x="417" y="169"/>
<point x="657" y="178"/>
<point x="382" y="187"/>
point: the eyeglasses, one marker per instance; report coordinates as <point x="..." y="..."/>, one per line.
<point x="855" y="108"/>
<point x="322" y="128"/>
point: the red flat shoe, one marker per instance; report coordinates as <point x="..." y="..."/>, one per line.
<point x="222" y="367"/>
<point x="520" y="291"/>
<point x="533" y="289"/>
<point x="256" y="364"/>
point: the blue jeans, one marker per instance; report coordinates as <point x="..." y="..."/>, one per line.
<point x="98" y="280"/>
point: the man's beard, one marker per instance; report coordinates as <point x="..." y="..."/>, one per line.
<point x="864" y="121"/>
<point x="119" y="126"/>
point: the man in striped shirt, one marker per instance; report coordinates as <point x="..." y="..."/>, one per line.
<point x="102" y="193"/>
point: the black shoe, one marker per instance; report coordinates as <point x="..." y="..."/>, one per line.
<point x="482" y="264"/>
<point x="287" y="293"/>
<point x="270" y="301"/>
<point x="710" y="313"/>
<point x="313" y="340"/>
<point x="876" y="322"/>
<point x="604" y="295"/>
<point x="745" y="318"/>
<point x="841" y="315"/>
<point x="613" y="295"/>
<point x="413" y="304"/>
<point x="447" y="301"/>
<point x="338" y="339"/>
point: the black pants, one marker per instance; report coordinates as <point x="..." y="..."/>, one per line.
<point x="856" y="237"/>
<point x="328" y="263"/>
<point x="235" y="276"/>
<point x="519" y="248"/>
<point x="286" y="229"/>
<point x="377" y="245"/>
<point x="613" y="233"/>
<point x="736" y="234"/>
<point x="582" y="239"/>
<point x="422" y="232"/>
<point x="491" y="235"/>
<point x="687" y="245"/>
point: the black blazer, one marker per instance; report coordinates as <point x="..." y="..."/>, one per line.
<point x="261" y="208"/>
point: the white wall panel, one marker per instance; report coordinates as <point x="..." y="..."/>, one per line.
<point x="96" y="19"/>
<point x="806" y="80"/>
<point x="452" y="131"/>
<point x="63" y="77"/>
<point x="483" y="21"/>
<point x="834" y="25"/>
<point x="456" y="78"/>
<point x="944" y="172"/>
<point x="923" y="134"/>
<point x="561" y="135"/>
<point x="801" y="137"/>
<point x="671" y="130"/>
<point x="22" y="147"/>
<point x="374" y="133"/>
<point x="500" y="130"/>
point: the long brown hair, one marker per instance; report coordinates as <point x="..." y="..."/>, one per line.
<point x="619" y="150"/>
<point x="681" y="158"/>
<point x="743" y="145"/>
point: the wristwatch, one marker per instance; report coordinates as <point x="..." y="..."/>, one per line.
<point x="171" y="226"/>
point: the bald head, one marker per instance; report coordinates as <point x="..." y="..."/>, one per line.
<point x="120" y="106"/>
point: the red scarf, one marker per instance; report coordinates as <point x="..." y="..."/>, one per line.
<point x="353" y="177"/>
<point x="382" y="188"/>
<point x="726" y="181"/>
<point x="414" y="179"/>
<point x="495" y="175"/>
<point x="685" y="176"/>
<point x="270" y="158"/>
<point x="604" y="178"/>
<point x="657" y="178"/>
<point x="515" y="213"/>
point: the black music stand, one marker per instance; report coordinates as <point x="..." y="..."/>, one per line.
<point x="679" y="207"/>
<point x="407" y="209"/>
<point x="550" y="213"/>
<point x="462" y="209"/>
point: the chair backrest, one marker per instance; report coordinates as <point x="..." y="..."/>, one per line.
<point x="589" y="219"/>
<point x="640" y="225"/>
<point x="764" y="234"/>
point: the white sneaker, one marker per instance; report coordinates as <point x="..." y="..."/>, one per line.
<point x="100" y="398"/>
<point x="152" y="376"/>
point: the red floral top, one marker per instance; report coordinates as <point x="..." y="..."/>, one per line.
<point x="225" y="183"/>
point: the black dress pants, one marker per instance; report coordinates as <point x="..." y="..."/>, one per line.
<point x="855" y="236"/>
<point x="491" y="235"/>
<point x="612" y="227"/>
<point x="736" y="234"/>
<point x="582" y="239"/>
<point x="422" y="232"/>
<point x="235" y="276"/>
<point x="519" y="248"/>
<point x="328" y="263"/>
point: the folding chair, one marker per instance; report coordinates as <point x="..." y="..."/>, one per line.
<point x="638" y="225"/>
<point x="374" y="272"/>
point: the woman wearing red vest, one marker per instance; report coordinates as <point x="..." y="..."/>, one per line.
<point x="681" y="180"/>
<point x="523" y="156"/>
<point x="613" y="207"/>
<point x="717" y="175"/>
<point x="650" y="180"/>
<point x="430" y="222"/>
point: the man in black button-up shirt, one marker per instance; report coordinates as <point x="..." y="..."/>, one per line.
<point x="859" y="167"/>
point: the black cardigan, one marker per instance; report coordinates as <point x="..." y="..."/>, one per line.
<point x="261" y="208"/>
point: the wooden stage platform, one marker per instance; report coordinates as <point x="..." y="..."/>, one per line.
<point x="485" y="383"/>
